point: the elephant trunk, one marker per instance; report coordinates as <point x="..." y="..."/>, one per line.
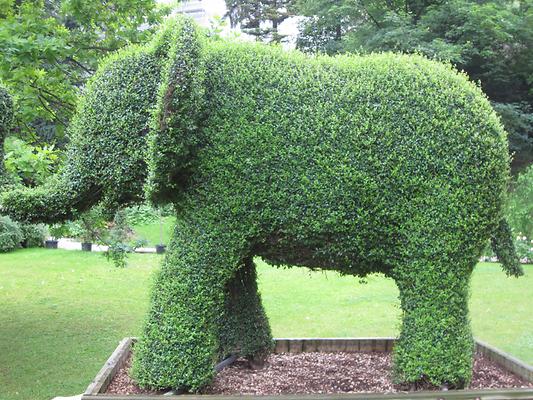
<point x="107" y="151"/>
<point x="56" y="201"/>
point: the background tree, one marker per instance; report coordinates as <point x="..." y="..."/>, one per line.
<point x="50" y="47"/>
<point x="327" y="24"/>
<point x="490" y="40"/>
<point x="520" y="207"/>
<point x="260" y="18"/>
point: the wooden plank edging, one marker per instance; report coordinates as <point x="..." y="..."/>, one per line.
<point x="298" y="345"/>
<point x="112" y="365"/>
<point x="507" y="361"/>
<point x="306" y="345"/>
<point x="489" y="394"/>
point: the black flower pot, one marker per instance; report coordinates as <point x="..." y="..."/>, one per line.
<point x="50" y="244"/>
<point x="160" y="248"/>
<point x="86" y="246"/>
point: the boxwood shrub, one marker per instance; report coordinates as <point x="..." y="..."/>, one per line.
<point x="360" y="164"/>
<point x="10" y="234"/>
<point x="33" y="235"/>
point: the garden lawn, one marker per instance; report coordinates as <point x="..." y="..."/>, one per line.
<point x="155" y="233"/>
<point x="63" y="312"/>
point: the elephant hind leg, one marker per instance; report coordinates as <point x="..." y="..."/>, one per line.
<point x="244" y="327"/>
<point x="435" y="346"/>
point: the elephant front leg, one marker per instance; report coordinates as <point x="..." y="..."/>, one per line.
<point x="244" y="327"/>
<point x="435" y="347"/>
<point x="180" y="345"/>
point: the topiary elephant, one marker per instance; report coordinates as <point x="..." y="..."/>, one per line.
<point x="360" y="164"/>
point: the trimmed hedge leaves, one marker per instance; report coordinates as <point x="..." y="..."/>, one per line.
<point x="383" y="163"/>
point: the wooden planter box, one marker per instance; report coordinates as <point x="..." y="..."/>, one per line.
<point x="95" y="391"/>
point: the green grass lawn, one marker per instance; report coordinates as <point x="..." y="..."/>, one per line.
<point x="63" y="312"/>
<point x="154" y="233"/>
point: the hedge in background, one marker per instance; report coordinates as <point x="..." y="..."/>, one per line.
<point x="383" y="163"/>
<point x="33" y="235"/>
<point x="10" y="234"/>
<point x="6" y="118"/>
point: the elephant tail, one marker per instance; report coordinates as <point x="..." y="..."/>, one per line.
<point x="503" y="246"/>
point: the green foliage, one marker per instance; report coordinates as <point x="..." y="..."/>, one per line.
<point x="244" y="313"/>
<point x="326" y="24"/>
<point x="518" y="121"/>
<point x="361" y="164"/>
<point x="524" y="248"/>
<point x="141" y="214"/>
<point x="216" y="28"/>
<point x="212" y="315"/>
<point x="29" y="165"/>
<point x="6" y="117"/>
<point x="10" y="234"/>
<point x="33" y="235"/>
<point x="50" y="48"/>
<point x="127" y="83"/>
<point x="260" y="18"/>
<point x="6" y="106"/>
<point x="119" y="241"/>
<point x="520" y="209"/>
<point x="151" y="225"/>
<point x="59" y="230"/>
<point x="173" y="137"/>
<point x="93" y="227"/>
<point x="90" y="226"/>
<point x="489" y="40"/>
<point x="505" y="250"/>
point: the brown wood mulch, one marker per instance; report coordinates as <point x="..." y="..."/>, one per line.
<point x="320" y="373"/>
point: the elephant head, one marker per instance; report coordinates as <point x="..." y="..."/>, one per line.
<point x="125" y="129"/>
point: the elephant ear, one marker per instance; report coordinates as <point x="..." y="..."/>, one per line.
<point x="175" y="127"/>
<point x="6" y="118"/>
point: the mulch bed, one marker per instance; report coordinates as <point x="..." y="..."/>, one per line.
<point x="321" y="373"/>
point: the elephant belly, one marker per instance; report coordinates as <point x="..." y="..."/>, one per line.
<point x="342" y="254"/>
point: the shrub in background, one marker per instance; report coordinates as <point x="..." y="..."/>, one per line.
<point x="29" y="165"/>
<point x="120" y="240"/>
<point x="145" y="213"/>
<point x="524" y="248"/>
<point x="10" y="234"/>
<point x="34" y="235"/>
<point x="59" y="230"/>
<point x="90" y="226"/>
<point x="520" y="207"/>
<point x="6" y="118"/>
<point x="141" y="214"/>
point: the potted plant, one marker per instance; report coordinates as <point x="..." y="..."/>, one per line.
<point x="160" y="248"/>
<point x="120" y="240"/>
<point x="57" y="231"/>
<point x="91" y="225"/>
